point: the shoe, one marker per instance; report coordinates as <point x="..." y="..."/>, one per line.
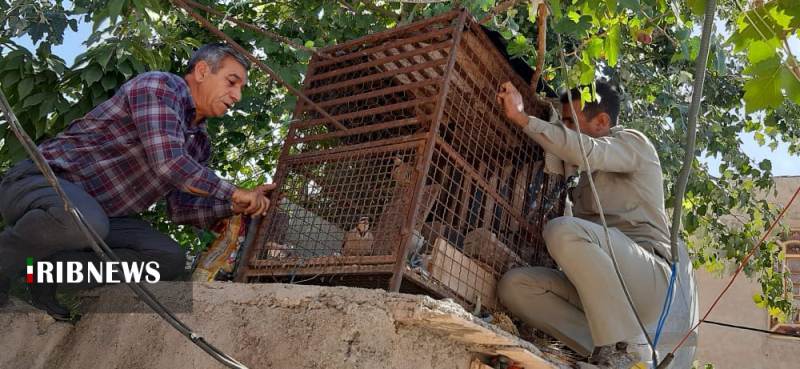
<point x="614" y="356"/>
<point x="601" y="354"/>
<point x="644" y="354"/>
<point x="639" y="348"/>
<point x="43" y="297"/>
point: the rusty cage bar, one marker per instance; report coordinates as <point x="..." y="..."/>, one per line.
<point x="428" y="189"/>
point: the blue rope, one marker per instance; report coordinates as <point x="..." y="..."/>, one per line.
<point x="665" y="309"/>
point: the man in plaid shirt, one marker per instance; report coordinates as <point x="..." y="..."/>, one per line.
<point x="147" y="142"/>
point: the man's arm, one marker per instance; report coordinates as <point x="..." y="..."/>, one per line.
<point x="202" y="212"/>
<point x="619" y="153"/>
<point x="609" y="154"/>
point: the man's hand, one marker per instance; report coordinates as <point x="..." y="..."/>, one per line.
<point x="511" y="101"/>
<point x="265" y="188"/>
<point x="250" y="202"/>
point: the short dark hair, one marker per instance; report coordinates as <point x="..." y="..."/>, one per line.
<point x="608" y="101"/>
<point x="213" y="55"/>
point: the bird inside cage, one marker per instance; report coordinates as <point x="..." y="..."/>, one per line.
<point x="359" y="240"/>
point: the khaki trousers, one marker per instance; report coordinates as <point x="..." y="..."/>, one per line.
<point x="583" y="305"/>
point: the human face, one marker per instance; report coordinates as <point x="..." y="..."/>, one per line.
<point x="597" y="126"/>
<point x="216" y="92"/>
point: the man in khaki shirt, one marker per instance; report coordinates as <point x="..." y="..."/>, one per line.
<point x="583" y="304"/>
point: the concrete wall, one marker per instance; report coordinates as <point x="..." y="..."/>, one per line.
<point x="729" y="348"/>
<point x="265" y="326"/>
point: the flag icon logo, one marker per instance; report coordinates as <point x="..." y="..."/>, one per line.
<point x="29" y="270"/>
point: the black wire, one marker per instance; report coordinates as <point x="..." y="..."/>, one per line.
<point x="751" y="329"/>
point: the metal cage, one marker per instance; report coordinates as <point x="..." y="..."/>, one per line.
<point x="427" y="189"/>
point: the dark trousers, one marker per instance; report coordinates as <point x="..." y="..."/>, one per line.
<point x="38" y="226"/>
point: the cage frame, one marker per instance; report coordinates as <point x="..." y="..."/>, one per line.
<point x="251" y="269"/>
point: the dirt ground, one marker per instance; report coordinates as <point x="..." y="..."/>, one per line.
<point x="261" y="325"/>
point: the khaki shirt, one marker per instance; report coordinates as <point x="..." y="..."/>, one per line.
<point x="626" y="173"/>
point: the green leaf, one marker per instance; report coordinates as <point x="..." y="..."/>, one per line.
<point x="125" y="68"/>
<point x="791" y="9"/>
<point x="269" y="45"/>
<point x="698" y="6"/>
<point x="779" y="16"/>
<point x="92" y="74"/>
<point x="14" y="150"/>
<point x="115" y="8"/>
<point x="46" y="107"/>
<point x="56" y="64"/>
<point x="10" y="78"/>
<point x="694" y="48"/>
<point x="532" y="13"/>
<point x="574" y="16"/>
<point x="25" y="87"/>
<point x="762" y="50"/>
<point x="595" y="48"/>
<point x="71" y="115"/>
<point x="576" y="28"/>
<point x="34" y="99"/>
<point x="746" y="32"/>
<point x="139" y="5"/>
<point x="13" y="62"/>
<point x="764" y="89"/>
<point x="288" y="75"/>
<point x="512" y="25"/>
<point x="765" y="165"/>
<point x="612" y="45"/>
<point x="587" y="72"/>
<point x="586" y="95"/>
<point x="518" y="46"/>
<point x="758" y="97"/>
<point x="759" y="138"/>
<point x="40" y="125"/>
<point x="611" y="5"/>
<point x="104" y="56"/>
<point x="790" y="84"/>
<point x="109" y="82"/>
<point x="634" y="5"/>
<point x="555" y="5"/>
<point x="720" y="58"/>
<point x="138" y="66"/>
<point x="236" y="138"/>
<point x="691" y="222"/>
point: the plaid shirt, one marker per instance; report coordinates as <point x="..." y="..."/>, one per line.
<point x="140" y="145"/>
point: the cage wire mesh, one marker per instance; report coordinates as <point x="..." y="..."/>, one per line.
<point x="428" y="183"/>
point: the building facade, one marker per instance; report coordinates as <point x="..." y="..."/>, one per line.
<point x="729" y="348"/>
